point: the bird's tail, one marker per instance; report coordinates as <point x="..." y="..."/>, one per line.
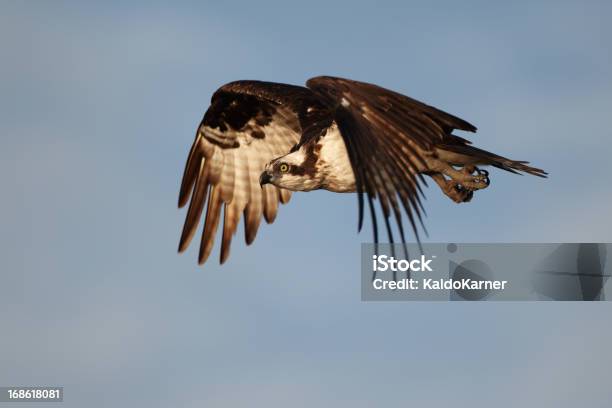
<point x="483" y="157"/>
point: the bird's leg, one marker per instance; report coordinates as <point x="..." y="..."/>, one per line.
<point x="454" y="191"/>
<point x="465" y="176"/>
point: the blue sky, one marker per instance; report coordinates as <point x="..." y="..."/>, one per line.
<point x="98" y="108"/>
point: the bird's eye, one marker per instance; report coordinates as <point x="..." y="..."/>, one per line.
<point x="284" y="167"/>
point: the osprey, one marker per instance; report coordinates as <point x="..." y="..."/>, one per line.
<point x="259" y="141"/>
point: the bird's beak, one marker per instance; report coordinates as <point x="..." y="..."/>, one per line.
<point x="265" y="178"/>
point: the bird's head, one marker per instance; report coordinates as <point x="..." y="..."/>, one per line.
<point x="292" y="171"/>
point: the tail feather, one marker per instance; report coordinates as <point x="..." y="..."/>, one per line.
<point x="475" y="155"/>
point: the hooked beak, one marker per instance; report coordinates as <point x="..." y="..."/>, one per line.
<point x="264" y="178"/>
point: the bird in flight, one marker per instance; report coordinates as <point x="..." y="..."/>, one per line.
<point x="259" y="141"/>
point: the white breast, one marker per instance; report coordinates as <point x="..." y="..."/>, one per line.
<point x="334" y="165"/>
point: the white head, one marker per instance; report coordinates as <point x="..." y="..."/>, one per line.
<point x="295" y="171"/>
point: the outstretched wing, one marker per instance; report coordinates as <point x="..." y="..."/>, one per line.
<point x="385" y="133"/>
<point x="248" y="124"/>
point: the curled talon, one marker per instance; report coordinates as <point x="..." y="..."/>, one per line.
<point x="460" y="193"/>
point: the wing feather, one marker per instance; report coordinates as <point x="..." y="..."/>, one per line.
<point x="230" y="222"/>
<point x="211" y="223"/>
<point x="270" y="203"/>
<point x="191" y="173"/>
<point x="233" y="210"/>
<point x="386" y="134"/>
<point x="228" y="175"/>
<point x="248" y="124"/>
<point x="254" y="208"/>
<point x="284" y="195"/>
<point x="195" y="206"/>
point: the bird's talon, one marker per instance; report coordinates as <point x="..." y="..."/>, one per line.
<point x="481" y="172"/>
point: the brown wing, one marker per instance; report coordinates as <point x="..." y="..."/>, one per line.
<point x="384" y="133"/>
<point x="248" y="124"/>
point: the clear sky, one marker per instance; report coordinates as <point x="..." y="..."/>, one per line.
<point x="98" y="108"/>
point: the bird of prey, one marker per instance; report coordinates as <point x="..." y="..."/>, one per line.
<point x="259" y="141"/>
